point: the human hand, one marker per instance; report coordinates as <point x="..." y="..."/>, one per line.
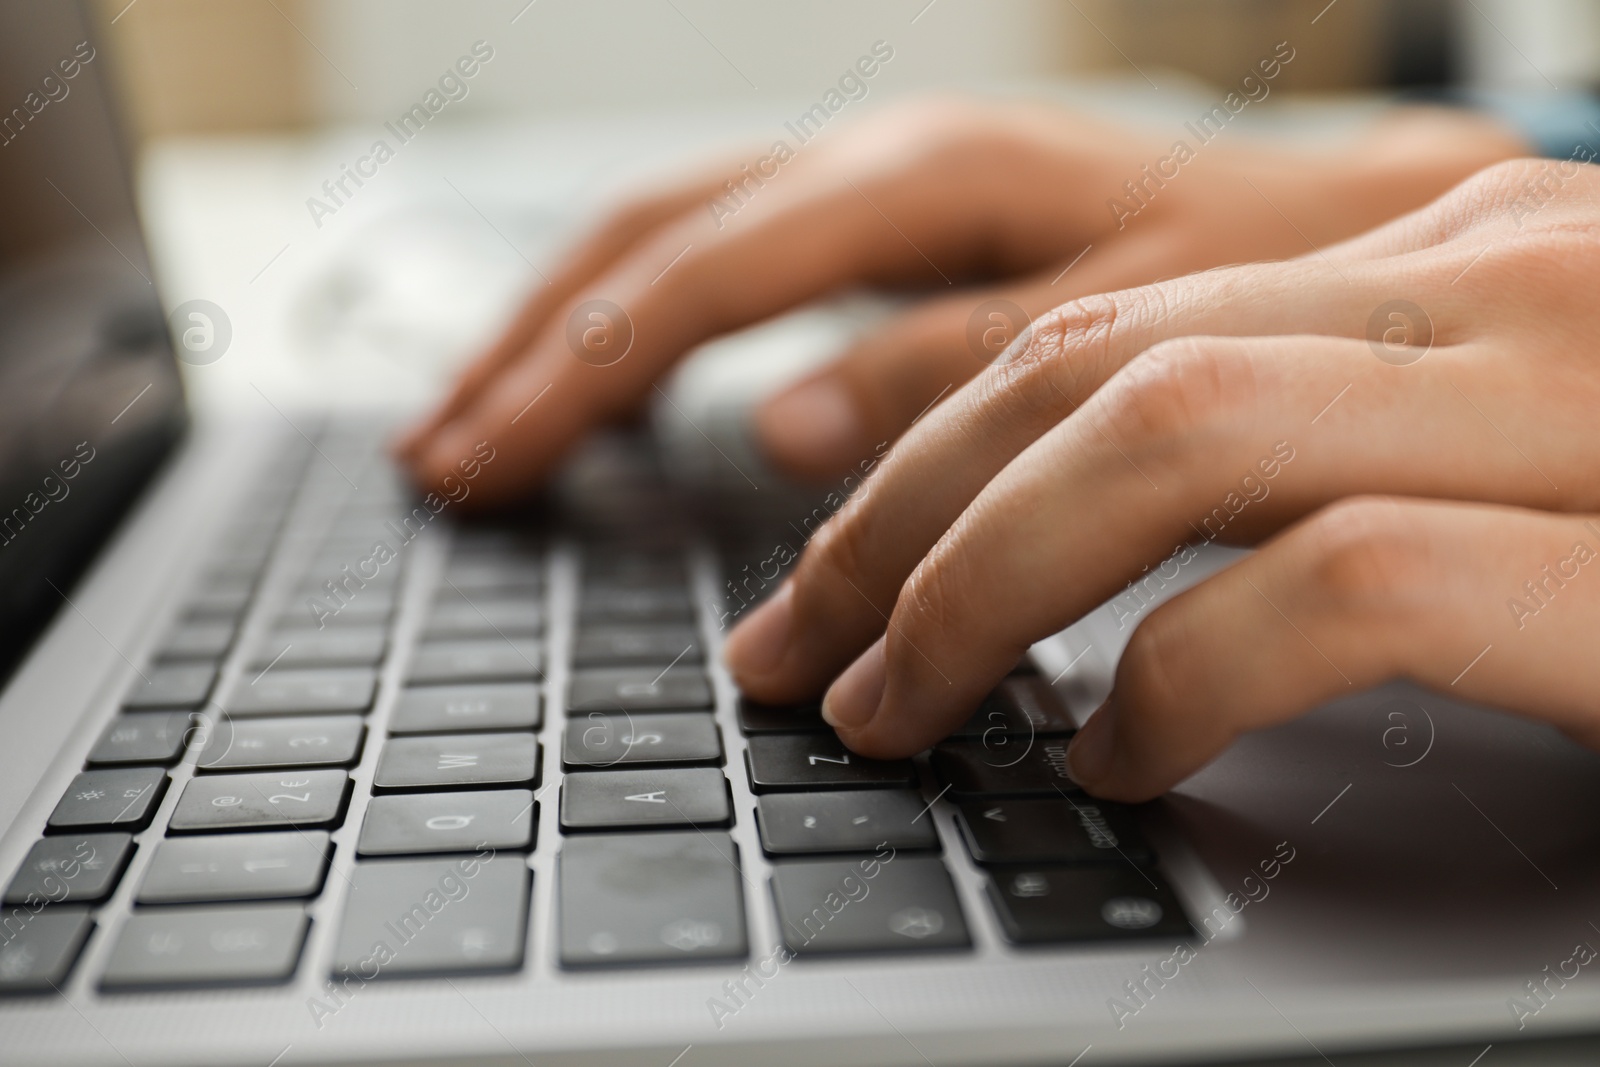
<point x="935" y="194"/>
<point x="1423" y="512"/>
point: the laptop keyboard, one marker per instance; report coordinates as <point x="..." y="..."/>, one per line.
<point x="310" y="684"/>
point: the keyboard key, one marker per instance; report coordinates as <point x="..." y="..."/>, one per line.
<point x="882" y="903"/>
<point x="36" y="956"/>
<point x="640" y="689"/>
<point x="297" y="692"/>
<point x="609" y="739"/>
<point x="172" y="685"/>
<point x="651" y="898"/>
<point x="457" y="617"/>
<point x="818" y="761"/>
<point x="207" y="639"/>
<point x="458" y="761"/>
<point x="336" y="646"/>
<point x="309" y="613"/>
<point x="236" y="867"/>
<point x="116" y="800"/>
<point x="1059" y="830"/>
<point x="620" y="800"/>
<point x="1042" y="905"/>
<point x="856" y="820"/>
<point x="484" y="660"/>
<point x="261" y="801"/>
<point x="774" y="719"/>
<point x="982" y="768"/>
<point x="435" y="709"/>
<point x="299" y="741"/>
<point x="143" y="737"/>
<point x="71" y="868"/>
<point x="435" y="916"/>
<point x="417" y="823"/>
<point x="1023" y="706"/>
<point x="612" y="645"/>
<point x="523" y="574"/>
<point x="207" y="946"/>
<point x="623" y="603"/>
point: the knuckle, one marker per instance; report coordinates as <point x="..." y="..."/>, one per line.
<point x="1153" y="663"/>
<point x="838" y="552"/>
<point x="1065" y="348"/>
<point x="1367" y="554"/>
<point x="931" y="600"/>
<point x="1178" y="393"/>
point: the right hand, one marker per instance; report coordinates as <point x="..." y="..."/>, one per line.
<point x="936" y="194"/>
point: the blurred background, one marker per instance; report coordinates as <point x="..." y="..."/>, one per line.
<point x="230" y="65"/>
<point x="243" y="109"/>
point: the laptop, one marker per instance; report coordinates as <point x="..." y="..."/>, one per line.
<point x="299" y="767"/>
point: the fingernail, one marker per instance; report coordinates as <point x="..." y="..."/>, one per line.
<point x="757" y="645"/>
<point x="1089" y="755"/>
<point x="854" y="697"/>
<point x="815" y="424"/>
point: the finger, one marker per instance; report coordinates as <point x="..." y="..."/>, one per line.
<point x="622" y="229"/>
<point x="1490" y="604"/>
<point x="697" y="278"/>
<point x="1198" y="439"/>
<point x="851" y="575"/>
<point x="823" y="425"/>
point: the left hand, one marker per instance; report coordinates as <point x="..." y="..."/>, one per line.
<point x="1405" y="508"/>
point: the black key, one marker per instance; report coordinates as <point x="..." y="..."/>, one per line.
<point x="609" y="739"/>
<point x="639" y="689"/>
<point x="143" y="737"/>
<point x="207" y="639"/>
<point x="621" y="603"/>
<point x="435" y="916"/>
<point x="336" y="646"/>
<point x="207" y="946"/>
<point x="605" y="567"/>
<point x="484" y="660"/>
<point x="122" y="799"/>
<point x="621" y="800"/>
<point x="651" y="898"/>
<point x="455" y="617"/>
<point x="36" y="956"/>
<point x="1041" y="905"/>
<point x="71" y="868"/>
<point x="818" y="761"/>
<point x="172" y="685"/>
<point x="1059" y="830"/>
<point x="298" y="741"/>
<point x="457" y="761"/>
<point x="775" y="719"/>
<point x="1021" y="706"/>
<point x="418" y="823"/>
<point x="855" y="820"/>
<point x="436" y="709"/>
<point x="236" y="867"/>
<point x="281" y="692"/>
<point x="883" y="903"/>
<point x="987" y="768"/>
<point x="261" y="801"/>
<point x="616" y="645"/>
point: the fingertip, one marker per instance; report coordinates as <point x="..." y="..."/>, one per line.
<point x="757" y="647"/>
<point x="814" y="429"/>
<point x="852" y="702"/>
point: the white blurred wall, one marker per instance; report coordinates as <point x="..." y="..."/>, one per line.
<point x="1531" y="44"/>
<point x="561" y="56"/>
